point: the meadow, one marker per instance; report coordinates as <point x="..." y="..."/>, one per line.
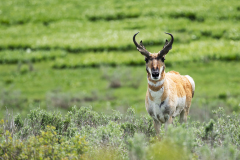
<point x="59" y="56"/>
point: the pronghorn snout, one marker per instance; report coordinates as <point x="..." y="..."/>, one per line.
<point x="155" y="73"/>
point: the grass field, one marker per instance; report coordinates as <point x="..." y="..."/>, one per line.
<point x="85" y="56"/>
<point x="59" y="54"/>
<point x="105" y="88"/>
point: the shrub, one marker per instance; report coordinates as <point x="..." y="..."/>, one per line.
<point x="84" y="133"/>
<point x="46" y="145"/>
<point x="105" y="153"/>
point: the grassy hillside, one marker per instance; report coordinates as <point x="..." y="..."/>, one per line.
<point x="93" y="41"/>
<point x="104" y="88"/>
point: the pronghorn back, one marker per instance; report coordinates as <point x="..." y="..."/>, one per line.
<point x="184" y="84"/>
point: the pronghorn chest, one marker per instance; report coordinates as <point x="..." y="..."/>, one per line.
<point x="157" y="108"/>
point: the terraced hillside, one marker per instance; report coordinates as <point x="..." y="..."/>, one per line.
<point x="56" y="54"/>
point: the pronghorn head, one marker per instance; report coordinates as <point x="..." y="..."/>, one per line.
<point x="154" y="61"/>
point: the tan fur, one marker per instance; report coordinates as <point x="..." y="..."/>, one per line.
<point x="165" y="93"/>
<point x="153" y="88"/>
<point x="150" y="96"/>
<point x="178" y="81"/>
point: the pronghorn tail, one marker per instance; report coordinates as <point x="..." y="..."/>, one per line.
<point x="192" y="83"/>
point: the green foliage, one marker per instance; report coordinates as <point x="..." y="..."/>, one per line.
<point x="105" y="153"/>
<point x="18" y="122"/>
<point x="177" y="144"/>
<point x="111" y="134"/>
<point x="133" y="125"/>
<point x="117" y="136"/>
<point x="85" y="116"/>
<point x="45" y="145"/>
<point x="137" y="146"/>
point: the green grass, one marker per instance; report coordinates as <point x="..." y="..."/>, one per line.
<point x="100" y="36"/>
<point x="23" y="56"/>
<point x="20" y="11"/>
<point x="196" y="51"/>
<point x="77" y="36"/>
<point x="91" y="86"/>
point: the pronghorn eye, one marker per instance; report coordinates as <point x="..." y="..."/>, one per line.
<point x="163" y="58"/>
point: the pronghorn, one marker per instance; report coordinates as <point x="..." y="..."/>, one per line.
<point x="168" y="94"/>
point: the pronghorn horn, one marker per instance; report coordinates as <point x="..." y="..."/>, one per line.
<point x="140" y="47"/>
<point x="166" y="47"/>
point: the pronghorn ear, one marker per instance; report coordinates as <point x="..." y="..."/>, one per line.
<point x="146" y="59"/>
<point x="163" y="58"/>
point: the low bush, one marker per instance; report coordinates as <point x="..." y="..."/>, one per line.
<point x="84" y="133"/>
<point x="48" y="144"/>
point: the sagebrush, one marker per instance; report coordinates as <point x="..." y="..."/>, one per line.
<point x="86" y="134"/>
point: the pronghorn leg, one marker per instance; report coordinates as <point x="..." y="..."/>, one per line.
<point x="184" y="114"/>
<point x="157" y="126"/>
<point x="170" y="120"/>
